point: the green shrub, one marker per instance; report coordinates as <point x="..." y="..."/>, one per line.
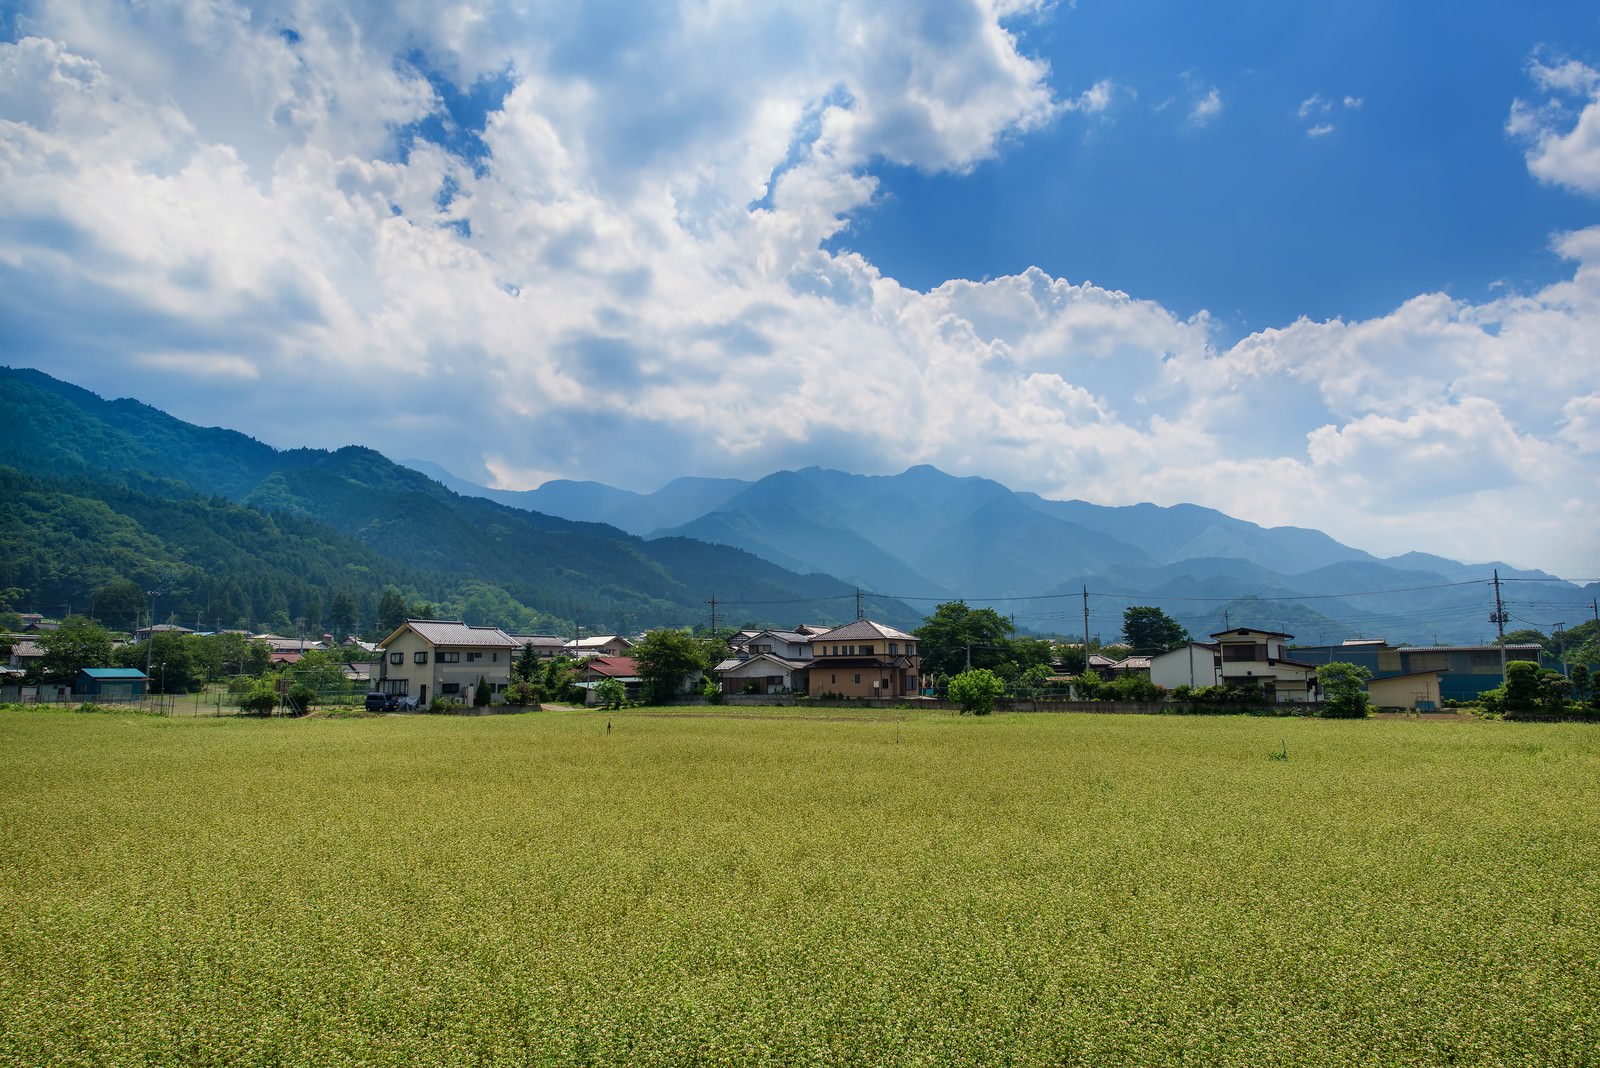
<point x="1135" y="687"/>
<point x="259" y="701"/>
<point x="975" y="691"/>
<point x="522" y="692"/>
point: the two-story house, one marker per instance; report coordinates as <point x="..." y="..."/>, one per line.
<point x="1249" y="657"/>
<point x="434" y="658"/>
<point x="767" y="661"/>
<point x="865" y="659"/>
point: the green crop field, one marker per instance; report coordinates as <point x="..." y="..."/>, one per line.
<point x="1024" y="890"/>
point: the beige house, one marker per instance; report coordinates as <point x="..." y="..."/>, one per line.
<point x="1418" y="691"/>
<point x="865" y="659"/>
<point x="432" y="658"/>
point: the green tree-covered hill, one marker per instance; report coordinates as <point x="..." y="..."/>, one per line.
<point x="234" y="532"/>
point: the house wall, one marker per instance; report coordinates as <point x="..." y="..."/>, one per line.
<point x="857" y="678"/>
<point x="442" y="676"/>
<point x="768" y="677"/>
<point x="1189" y="666"/>
<point x="1405" y="691"/>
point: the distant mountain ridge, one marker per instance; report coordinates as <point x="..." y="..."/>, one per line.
<point x="792" y="546"/>
<point x="925" y="535"/>
<point x="94" y="469"/>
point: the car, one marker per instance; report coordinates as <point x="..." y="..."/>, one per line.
<point x="378" y="701"/>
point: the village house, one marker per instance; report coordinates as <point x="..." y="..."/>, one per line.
<point x="865" y="659"/>
<point x="545" y="646"/>
<point x="599" y="645"/>
<point x="1241" y="656"/>
<point x="768" y="661"/>
<point x="621" y="668"/>
<point x="443" y="659"/>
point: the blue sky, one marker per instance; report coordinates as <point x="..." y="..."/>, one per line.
<point x="1316" y="264"/>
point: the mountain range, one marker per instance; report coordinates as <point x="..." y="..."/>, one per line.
<point x="104" y="495"/>
<point x="117" y="494"/>
<point x="924" y="536"/>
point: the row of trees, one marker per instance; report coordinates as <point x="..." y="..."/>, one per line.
<point x="178" y="663"/>
<point x="1531" y="691"/>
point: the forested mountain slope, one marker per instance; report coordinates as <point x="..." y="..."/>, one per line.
<point x="232" y="531"/>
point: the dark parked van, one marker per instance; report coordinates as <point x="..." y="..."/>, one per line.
<point x="382" y="702"/>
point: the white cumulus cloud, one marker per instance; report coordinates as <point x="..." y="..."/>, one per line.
<point x="615" y="265"/>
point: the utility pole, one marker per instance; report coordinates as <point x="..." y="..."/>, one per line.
<point x="1561" y="647"/>
<point x="713" y="604"/>
<point x="1499" y="620"/>
<point x="859" y="613"/>
<point x="1086" y="628"/>
<point x="150" y="641"/>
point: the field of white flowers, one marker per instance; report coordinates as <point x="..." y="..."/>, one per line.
<point x="1027" y="890"/>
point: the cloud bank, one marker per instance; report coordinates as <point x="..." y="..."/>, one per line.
<point x="591" y="241"/>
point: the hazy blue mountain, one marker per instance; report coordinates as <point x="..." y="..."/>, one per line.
<point x="678" y="502"/>
<point x="926" y="534"/>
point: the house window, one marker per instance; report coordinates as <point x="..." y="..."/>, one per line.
<point x="894" y="648"/>
<point x="421" y="656"/>
<point x="833" y="678"/>
<point x="910" y="648"/>
<point x="397" y="658"/>
<point x="474" y="656"/>
<point x="450" y="687"/>
<point x="866" y="650"/>
<point x="450" y="658"/>
<point x="858" y="680"/>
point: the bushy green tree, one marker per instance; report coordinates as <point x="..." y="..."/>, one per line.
<point x="956" y="632"/>
<point x="300" y="700"/>
<point x="341" y="614"/>
<point x="609" y="693"/>
<point x="391" y="610"/>
<point x="77" y="644"/>
<point x="1554" y="689"/>
<point x="174" y="664"/>
<point x="1036" y="677"/>
<point x="1344" y="690"/>
<point x="481" y="693"/>
<point x="1519" y="696"/>
<point x="1149" y="631"/>
<point x="975" y="691"/>
<point x="559" y="682"/>
<point x="665" y="658"/>
<point x="119" y="603"/>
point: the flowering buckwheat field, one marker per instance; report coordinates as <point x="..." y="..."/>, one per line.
<point x="1048" y="889"/>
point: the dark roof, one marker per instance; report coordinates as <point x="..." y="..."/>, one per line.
<point x="862" y="628"/>
<point x="453" y="633"/>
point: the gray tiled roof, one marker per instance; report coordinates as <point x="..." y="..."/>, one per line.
<point x="862" y="628"/>
<point x="449" y="633"/>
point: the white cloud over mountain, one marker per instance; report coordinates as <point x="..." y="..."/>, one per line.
<point x="616" y="266"/>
